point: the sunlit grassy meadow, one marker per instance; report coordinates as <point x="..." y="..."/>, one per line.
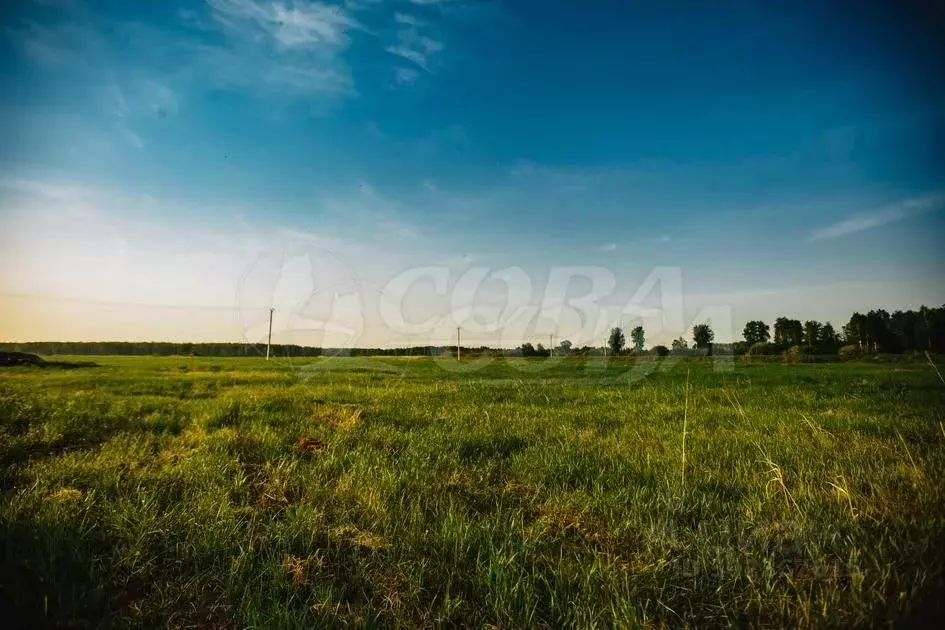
<point x="238" y="493"/>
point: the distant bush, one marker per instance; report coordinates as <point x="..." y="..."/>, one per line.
<point x="763" y="348"/>
<point x="661" y="351"/>
<point x="795" y="354"/>
<point x="851" y="350"/>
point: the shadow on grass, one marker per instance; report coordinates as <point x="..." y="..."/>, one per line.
<point x="55" y="574"/>
<point x="24" y="359"/>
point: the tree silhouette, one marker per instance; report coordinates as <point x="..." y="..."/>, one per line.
<point x="829" y="339"/>
<point x="702" y="335"/>
<point x="788" y="332"/>
<point x="756" y="331"/>
<point x="811" y="333"/>
<point x="638" y="337"/>
<point x="617" y="340"/>
<point x="854" y="331"/>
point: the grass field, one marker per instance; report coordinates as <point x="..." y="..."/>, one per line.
<point x="239" y="493"/>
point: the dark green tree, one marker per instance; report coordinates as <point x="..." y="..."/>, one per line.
<point x="811" y="334"/>
<point x="877" y="330"/>
<point x="756" y="331"/>
<point x="616" y="341"/>
<point x="829" y="339"/>
<point x="702" y="335"/>
<point x="638" y="337"/>
<point x="854" y="331"/>
<point x="788" y="332"/>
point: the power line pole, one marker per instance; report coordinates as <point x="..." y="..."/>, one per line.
<point x="458" y="343"/>
<point x="269" y="342"/>
<point x="551" y="345"/>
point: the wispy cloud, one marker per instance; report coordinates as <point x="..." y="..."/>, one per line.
<point x="412" y="44"/>
<point x="289" y="50"/>
<point x="56" y="46"/>
<point x="890" y="214"/>
<point x="608" y="247"/>
<point x="406" y="76"/>
<point x="138" y="98"/>
<point x="295" y="47"/>
<point x="315" y="26"/>
<point x="132" y="138"/>
<point x="191" y="19"/>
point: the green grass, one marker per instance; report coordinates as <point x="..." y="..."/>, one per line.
<point x="239" y="493"/>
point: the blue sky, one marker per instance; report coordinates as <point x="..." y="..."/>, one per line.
<point x="786" y="158"/>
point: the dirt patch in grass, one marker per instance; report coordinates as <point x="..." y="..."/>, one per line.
<point x="310" y="445"/>
<point x="351" y="535"/>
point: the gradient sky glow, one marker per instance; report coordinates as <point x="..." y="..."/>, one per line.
<point x="172" y="169"/>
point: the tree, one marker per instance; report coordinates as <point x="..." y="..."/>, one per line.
<point x="877" y="329"/>
<point x="811" y="333"/>
<point x="661" y="351"/>
<point x="702" y="335"/>
<point x="756" y="331"/>
<point x="788" y="332"/>
<point x="680" y="343"/>
<point x="829" y="339"/>
<point x="638" y="338"/>
<point x="528" y="350"/>
<point x="616" y="341"/>
<point x="854" y="331"/>
<point x="564" y="348"/>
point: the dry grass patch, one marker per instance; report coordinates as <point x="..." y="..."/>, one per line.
<point x="343" y="418"/>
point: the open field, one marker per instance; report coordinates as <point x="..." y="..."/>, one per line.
<point x="239" y="493"/>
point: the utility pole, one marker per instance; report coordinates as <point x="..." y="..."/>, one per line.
<point x="458" y="343"/>
<point x="269" y="342"/>
<point x="551" y="345"/>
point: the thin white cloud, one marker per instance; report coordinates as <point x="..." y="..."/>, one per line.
<point x="280" y="49"/>
<point x="890" y="214"/>
<point x="608" y="247"/>
<point x="141" y="97"/>
<point x="292" y="46"/>
<point x="403" y="18"/>
<point x="310" y="25"/>
<point x="191" y="19"/>
<point x="412" y="44"/>
<point x="55" y="46"/>
<point x="154" y="97"/>
<point x="406" y="76"/>
<point x="132" y="138"/>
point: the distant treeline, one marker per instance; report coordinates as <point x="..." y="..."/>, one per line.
<point x="166" y="349"/>
<point x="157" y="348"/>
<point x="876" y="331"/>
